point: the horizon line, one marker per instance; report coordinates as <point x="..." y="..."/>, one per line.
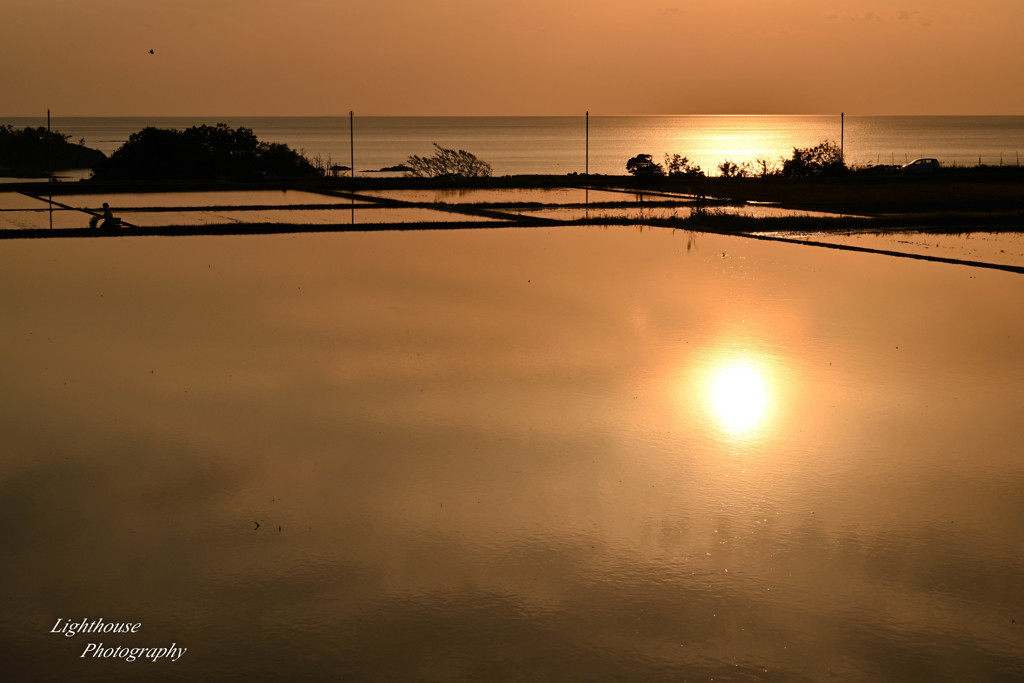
<point x="481" y="116"/>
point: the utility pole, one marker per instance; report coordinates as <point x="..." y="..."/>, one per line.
<point x="586" y="171"/>
<point x="351" y="145"/>
<point x="842" y="137"/>
<point x="49" y="166"/>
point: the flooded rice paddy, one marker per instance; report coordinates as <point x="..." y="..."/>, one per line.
<point x="549" y="453"/>
<point x="1003" y="248"/>
<point x="376" y="207"/>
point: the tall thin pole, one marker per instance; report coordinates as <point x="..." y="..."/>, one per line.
<point x="586" y="171"/>
<point x="587" y="167"/>
<point x="351" y="145"/>
<point x="49" y="166"/>
<point x="842" y="137"/>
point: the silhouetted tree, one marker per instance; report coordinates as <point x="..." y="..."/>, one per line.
<point x="202" y="153"/>
<point x="680" y="166"/>
<point x="730" y="169"/>
<point x="765" y="167"/>
<point x="823" y="159"/>
<point x="643" y="166"/>
<point x="32" y="151"/>
<point x="447" y="162"/>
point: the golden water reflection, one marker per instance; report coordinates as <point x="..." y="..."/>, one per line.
<point x="739" y="395"/>
<point x="518" y="454"/>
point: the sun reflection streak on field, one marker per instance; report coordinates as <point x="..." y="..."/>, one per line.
<point x="739" y="396"/>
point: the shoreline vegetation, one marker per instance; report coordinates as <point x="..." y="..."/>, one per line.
<point x="34" y="152"/>
<point x="211" y="158"/>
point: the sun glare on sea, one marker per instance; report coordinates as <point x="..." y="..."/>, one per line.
<point x="739" y="397"/>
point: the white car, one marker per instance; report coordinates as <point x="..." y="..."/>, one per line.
<point x="919" y="166"/>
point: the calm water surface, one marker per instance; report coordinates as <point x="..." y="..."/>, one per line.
<point x="567" y="144"/>
<point x="1004" y="248"/>
<point x="597" y="454"/>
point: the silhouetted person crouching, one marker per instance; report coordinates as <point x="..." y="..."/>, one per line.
<point x="107" y="220"/>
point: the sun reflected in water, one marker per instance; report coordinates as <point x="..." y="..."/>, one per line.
<point x="739" y="397"/>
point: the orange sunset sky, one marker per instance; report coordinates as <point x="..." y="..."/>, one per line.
<point x="521" y="57"/>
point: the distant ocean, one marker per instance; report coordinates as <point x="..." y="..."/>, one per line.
<point x="561" y="145"/>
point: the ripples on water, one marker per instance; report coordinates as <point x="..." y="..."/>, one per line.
<point x="581" y="453"/>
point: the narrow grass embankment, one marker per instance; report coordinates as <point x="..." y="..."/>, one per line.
<point x="951" y="222"/>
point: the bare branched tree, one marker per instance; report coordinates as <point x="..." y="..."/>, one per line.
<point x="447" y="162"/>
<point x="765" y="167"/>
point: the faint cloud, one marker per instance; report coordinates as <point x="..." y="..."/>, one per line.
<point x="872" y="17"/>
<point x="913" y="16"/>
<point x="669" y="10"/>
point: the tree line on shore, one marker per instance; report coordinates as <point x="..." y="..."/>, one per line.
<point x="220" y="152"/>
<point x="37" y="151"/>
<point x="823" y="159"/>
<point x="200" y="153"/>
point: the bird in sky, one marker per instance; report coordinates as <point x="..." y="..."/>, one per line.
<point x="151" y="52"/>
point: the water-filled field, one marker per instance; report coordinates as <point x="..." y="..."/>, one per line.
<point x="574" y="453"/>
<point x="373" y="207"/>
